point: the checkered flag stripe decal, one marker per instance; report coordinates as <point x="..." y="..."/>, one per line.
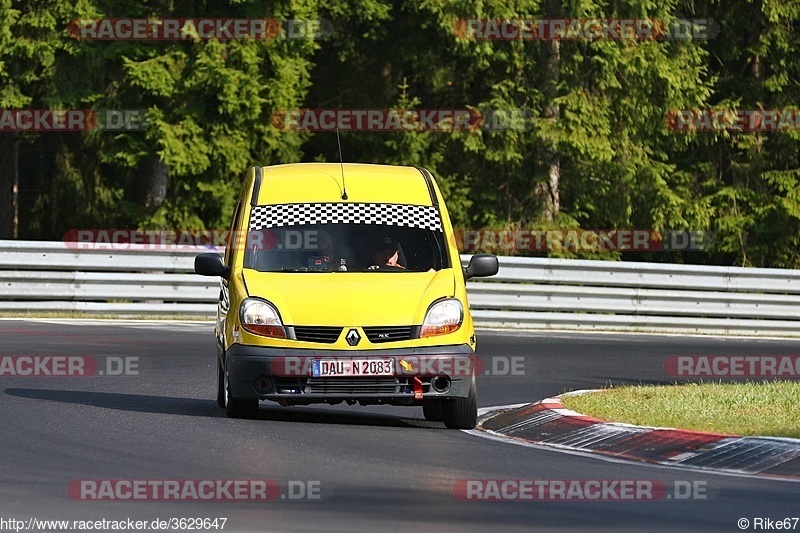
<point x="413" y="216"/>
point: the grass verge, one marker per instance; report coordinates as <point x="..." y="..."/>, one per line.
<point x="768" y="408"/>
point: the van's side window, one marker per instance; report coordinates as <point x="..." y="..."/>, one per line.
<point x="232" y="236"/>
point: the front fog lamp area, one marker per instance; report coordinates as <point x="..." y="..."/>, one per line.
<point x="261" y="318"/>
<point x="442" y="318"/>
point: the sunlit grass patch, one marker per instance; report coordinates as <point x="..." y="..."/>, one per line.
<point x="769" y="408"/>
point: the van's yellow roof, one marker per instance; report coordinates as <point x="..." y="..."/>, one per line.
<point x="322" y="182"/>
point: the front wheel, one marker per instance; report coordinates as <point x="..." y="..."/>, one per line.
<point x="235" y="407"/>
<point x="461" y="413"/>
<point x="221" y="395"/>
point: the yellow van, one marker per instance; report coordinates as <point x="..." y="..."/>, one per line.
<point x="343" y="283"/>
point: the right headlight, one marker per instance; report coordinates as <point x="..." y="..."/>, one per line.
<point x="261" y="318"/>
<point x="442" y="318"/>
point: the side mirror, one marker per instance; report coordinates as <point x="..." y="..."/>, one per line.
<point x="211" y="265"/>
<point x="481" y="265"/>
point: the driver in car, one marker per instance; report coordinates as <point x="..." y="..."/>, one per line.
<point x="386" y="254"/>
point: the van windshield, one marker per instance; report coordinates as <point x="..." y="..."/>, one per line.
<point x="345" y="238"/>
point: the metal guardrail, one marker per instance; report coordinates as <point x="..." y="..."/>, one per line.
<point x="129" y="280"/>
<point x="531" y="293"/>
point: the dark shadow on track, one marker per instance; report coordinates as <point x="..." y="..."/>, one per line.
<point x="315" y="416"/>
<point x="124" y="402"/>
<point x="208" y="408"/>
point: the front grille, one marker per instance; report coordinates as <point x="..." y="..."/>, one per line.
<point x="357" y="386"/>
<point x="377" y="334"/>
<point x="321" y="334"/>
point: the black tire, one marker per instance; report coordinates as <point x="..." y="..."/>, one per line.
<point x="220" y="385"/>
<point x="237" y="407"/>
<point x="432" y="411"/>
<point x="461" y="413"/>
<point x="242" y="408"/>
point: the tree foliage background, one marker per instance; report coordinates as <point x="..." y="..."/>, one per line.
<point x="595" y="153"/>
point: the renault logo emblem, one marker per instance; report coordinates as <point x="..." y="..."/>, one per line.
<point x="352" y="337"/>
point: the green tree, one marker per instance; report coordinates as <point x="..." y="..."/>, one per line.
<point x="754" y="177"/>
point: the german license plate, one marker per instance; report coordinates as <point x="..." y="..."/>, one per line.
<point x="352" y="367"/>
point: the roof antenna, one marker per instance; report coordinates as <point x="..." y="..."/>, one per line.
<point x="341" y="163"/>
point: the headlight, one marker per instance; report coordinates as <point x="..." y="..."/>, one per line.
<point x="261" y="317"/>
<point x="442" y="318"/>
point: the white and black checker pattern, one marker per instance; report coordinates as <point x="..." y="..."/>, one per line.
<point x="413" y="216"/>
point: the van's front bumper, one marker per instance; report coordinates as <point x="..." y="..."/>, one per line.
<point x="286" y="375"/>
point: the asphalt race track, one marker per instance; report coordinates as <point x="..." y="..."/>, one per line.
<point x="374" y="469"/>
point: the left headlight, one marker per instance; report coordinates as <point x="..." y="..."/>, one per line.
<point x="442" y="318"/>
<point x="261" y="317"/>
